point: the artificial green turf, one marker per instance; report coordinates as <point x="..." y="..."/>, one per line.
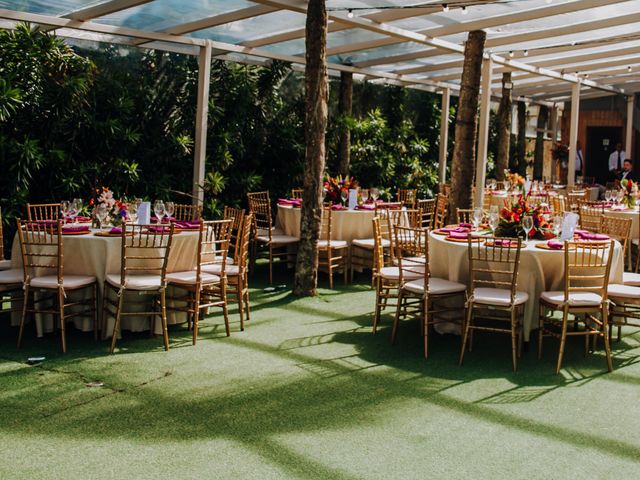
<point x="306" y="391"/>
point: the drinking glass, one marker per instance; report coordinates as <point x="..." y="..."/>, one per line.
<point x="527" y="225"/>
<point x="344" y="194"/>
<point x="132" y="212"/>
<point x="65" y="206"/>
<point x="607" y="195"/>
<point x="374" y="193"/>
<point x="557" y="225"/>
<point x="507" y="185"/>
<point x="158" y="209"/>
<point x="101" y="214"/>
<point x="76" y="206"/>
<point x="170" y="208"/>
<point x="494" y="221"/>
<point x="477" y="217"/>
<point x="619" y="196"/>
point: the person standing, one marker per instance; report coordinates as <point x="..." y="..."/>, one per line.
<point x="627" y="170"/>
<point x="579" y="161"/>
<point x="616" y="161"/>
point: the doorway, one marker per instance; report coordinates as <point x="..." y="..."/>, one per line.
<point x="601" y="142"/>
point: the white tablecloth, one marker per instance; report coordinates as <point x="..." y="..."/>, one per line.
<point x="99" y="256"/>
<point x="540" y="270"/>
<point x="345" y="224"/>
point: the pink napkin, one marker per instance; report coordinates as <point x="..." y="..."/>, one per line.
<point x="498" y="192"/>
<point x="286" y="201"/>
<point x="458" y="235"/>
<point x="115" y="230"/>
<point x="456" y="229"/>
<point x="159" y="229"/>
<point x="555" y="244"/>
<point x="337" y="207"/>
<point x="188" y="225"/>
<point x="505" y="242"/>
<point x="465" y="225"/>
<point x="594" y="236"/>
<point x="45" y="222"/>
<point x="164" y="219"/>
<point x="366" y="206"/>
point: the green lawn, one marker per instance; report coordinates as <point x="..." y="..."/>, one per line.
<point x="306" y="391"/>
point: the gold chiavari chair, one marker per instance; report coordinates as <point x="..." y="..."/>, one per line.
<point x="296" y="193"/>
<point x="464" y="215"/>
<point x="442" y="210"/>
<point x="11" y="281"/>
<point x="499" y="185"/>
<point x="276" y="243"/>
<point x="624" y="307"/>
<point x="558" y="204"/>
<point x="37" y="212"/>
<point x="386" y="278"/>
<point x="620" y="229"/>
<point x="428" y="209"/>
<point x="407" y="196"/>
<point x="42" y="253"/>
<point x="187" y="213"/>
<point x="493" y="281"/>
<point x="538" y="199"/>
<point x="418" y="297"/>
<point x="332" y="254"/>
<point x="486" y="200"/>
<point x="238" y="273"/>
<point x="583" y="300"/>
<point x="590" y="218"/>
<point x="143" y="268"/>
<point x="574" y="197"/>
<point x="205" y="289"/>
<point x="444" y="189"/>
<point x="4" y="264"/>
<point x="236" y="215"/>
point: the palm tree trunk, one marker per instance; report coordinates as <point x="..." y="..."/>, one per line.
<point x="466" y="124"/>
<point x="316" y="95"/>
<point x="538" y="159"/>
<point x="345" y="108"/>
<point x="504" y="127"/>
<point x="522" y="138"/>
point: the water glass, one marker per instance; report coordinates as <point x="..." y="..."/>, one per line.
<point x="374" y="193"/>
<point x="102" y="212"/>
<point x="170" y="209"/>
<point x="527" y="225"/>
<point x="65" y="206"/>
<point x="76" y="207"/>
<point x="477" y="217"/>
<point x="159" y="210"/>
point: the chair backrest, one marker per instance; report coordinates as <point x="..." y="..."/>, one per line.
<point x="242" y="253"/>
<point x="494" y="264"/>
<point x="411" y="251"/>
<point x="260" y="207"/>
<point x="296" y="193"/>
<point x="428" y="209"/>
<point x="237" y="217"/>
<point x="486" y="200"/>
<point x="558" y="204"/>
<point x="43" y="211"/>
<point x="442" y="206"/>
<point x="591" y="218"/>
<point x="1" y="238"/>
<point x="325" y="226"/>
<point x="145" y="250"/>
<point x="617" y="228"/>
<point x="213" y="246"/>
<point x="586" y="267"/>
<point x="378" y="248"/>
<point x="499" y="185"/>
<point x="444" y="189"/>
<point x="464" y="215"/>
<point x="574" y="197"/>
<point x="407" y="196"/>
<point x="186" y="213"/>
<point x="41" y="248"/>
<point x="538" y="199"/>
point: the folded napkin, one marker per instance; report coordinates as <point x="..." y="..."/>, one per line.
<point x="366" y="206"/>
<point x="164" y="219"/>
<point x="188" y="225"/>
<point x="499" y="193"/>
<point x="458" y="235"/>
<point x="555" y="244"/>
<point x="115" y="230"/>
<point x="456" y="229"/>
<point x="594" y="236"/>
<point x="286" y="201"/>
<point x="337" y="207"/>
<point x="75" y="228"/>
<point x="581" y="232"/>
<point x="44" y="222"/>
<point x="505" y="242"/>
<point x="159" y="229"/>
<point x="465" y="225"/>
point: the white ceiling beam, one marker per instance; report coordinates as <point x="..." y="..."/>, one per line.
<point x="102" y="9"/>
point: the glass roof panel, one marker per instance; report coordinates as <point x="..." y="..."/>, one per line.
<point x="162" y="14"/>
<point x="49" y="7"/>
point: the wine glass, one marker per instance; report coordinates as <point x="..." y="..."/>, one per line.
<point x="101" y="214"/>
<point x="65" y="206"/>
<point x="494" y="220"/>
<point x="132" y="211"/>
<point x="158" y="209"/>
<point x="557" y="225"/>
<point x="344" y="194"/>
<point x="527" y="225"/>
<point x="477" y="217"/>
<point x="76" y="206"/>
<point x="170" y="208"/>
<point x="374" y="193"/>
<point x="619" y="196"/>
<point x="507" y="185"/>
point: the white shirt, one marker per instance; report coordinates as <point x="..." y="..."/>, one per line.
<point x="579" y="161"/>
<point x="613" y="160"/>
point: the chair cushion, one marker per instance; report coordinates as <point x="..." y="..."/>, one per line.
<point x="368" y="243"/>
<point x="217" y="267"/>
<point x="228" y="261"/>
<point x="576" y="299"/>
<point x="616" y="291"/>
<point x="409" y="262"/>
<point x="136" y="282"/>
<point x="190" y="278"/>
<point x="632" y="279"/>
<point x="498" y="296"/>
<point x="8" y="277"/>
<point x="278" y="239"/>
<point x="69" y="281"/>
<point x="437" y="286"/>
<point x="393" y="273"/>
<point x="263" y="232"/>
<point x="5" y="264"/>
<point x="334" y="244"/>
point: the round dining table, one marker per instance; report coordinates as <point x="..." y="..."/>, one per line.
<point x="94" y="255"/>
<point x="540" y="270"/>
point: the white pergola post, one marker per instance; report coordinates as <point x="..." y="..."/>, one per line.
<point x="483" y="133"/>
<point x="628" y="136"/>
<point x="202" y="113"/>
<point x="444" y="135"/>
<point x="573" y="134"/>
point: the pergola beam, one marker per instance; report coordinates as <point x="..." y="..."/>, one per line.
<point x="102" y="9"/>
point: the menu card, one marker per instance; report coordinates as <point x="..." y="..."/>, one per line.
<point x="353" y="198"/>
<point x="144" y="213"/>
<point x="569" y="224"/>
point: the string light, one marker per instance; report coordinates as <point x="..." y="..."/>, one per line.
<point x="445" y="7"/>
<point x="526" y="53"/>
<point x="629" y="68"/>
<point x="350" y="13"/>
<point x="464" y="10"/>
<point x="511" y="53"/>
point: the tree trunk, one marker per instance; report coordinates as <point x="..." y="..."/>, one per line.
<point x="541" y="127"/>
<point x="316" y="95"/>
<point x="466" y="124"/>
<point x="504" y="128"/>
<point x="345" y="108"/>
<point x="522" y="139"/>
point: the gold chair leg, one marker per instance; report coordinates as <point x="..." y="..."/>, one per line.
<point x="25" y="302"/>
<point x="376" y="315"/>
<point x="425" y="325"/>
<point x="465" y="335"/>
<point x="95" y="312"/>
<point x="62" y="322"/>
<point x="163" y="309"/>
<point x="225" y="312"/>
<point x="540" y="330"/>
<point x="396" y="320"/>
<point x="116" y="324"/>
<point x="607" y="346"/>
<point x="514" y="352"/>
<point x="563" y="339"/>
<point x="103" y="327"/>
<point x="196" y="314"/>
<point x="239" y="295"/>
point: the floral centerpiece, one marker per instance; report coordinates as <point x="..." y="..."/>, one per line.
<point x="117" y="211"/>
<point x="513" y="213"/>
<point x="334" y="186"/>
<point x="630" y="190"/>
<point x="515" y="180"/>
